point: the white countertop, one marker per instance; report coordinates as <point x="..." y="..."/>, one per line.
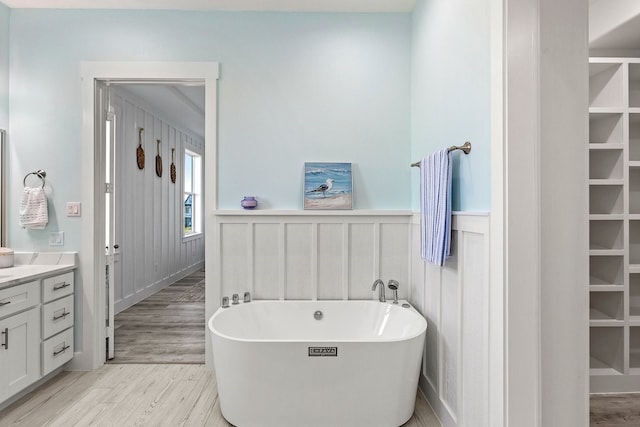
<point x="34" y="266"/>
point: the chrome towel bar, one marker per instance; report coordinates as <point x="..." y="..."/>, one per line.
<point x="466" y="149"/>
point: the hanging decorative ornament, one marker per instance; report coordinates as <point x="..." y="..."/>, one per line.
<point x="173" y="167"/>
<point x="158" y="161"/>
<point x="140" y="150"/>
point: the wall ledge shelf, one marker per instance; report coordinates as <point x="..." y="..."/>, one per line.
<point x="293" y="212"/>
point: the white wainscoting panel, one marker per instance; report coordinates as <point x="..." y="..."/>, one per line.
<point x="149" y="225"/>
<point x="455" y="301"/>
<point x="311" y="254"/>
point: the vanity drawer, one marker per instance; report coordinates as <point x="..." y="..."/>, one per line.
<point x="57" y="286"/>
<point x="57" y="316"/>
<point x="56" y="351"/>
<point x="18" y="298"/>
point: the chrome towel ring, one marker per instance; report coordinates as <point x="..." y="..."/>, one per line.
<point x="40" y="174"/>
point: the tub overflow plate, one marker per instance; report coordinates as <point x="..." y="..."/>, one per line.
<point x="318" y="315"/>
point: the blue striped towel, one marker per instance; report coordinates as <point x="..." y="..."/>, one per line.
<point x="435" y="207"/>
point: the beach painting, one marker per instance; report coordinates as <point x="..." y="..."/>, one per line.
<point x="328" y="186"/>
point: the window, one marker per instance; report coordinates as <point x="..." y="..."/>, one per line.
<point x="192" y="209"/>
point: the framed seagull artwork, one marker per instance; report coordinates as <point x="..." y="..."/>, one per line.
<point x="328" y="186"/>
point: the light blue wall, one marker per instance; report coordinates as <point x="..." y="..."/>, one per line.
<point x="293" y="88"/>
<point x="451" y="94"/>
<point x="4" y="66"/>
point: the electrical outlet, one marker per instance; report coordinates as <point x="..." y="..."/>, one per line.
<point x="56" y="238"/>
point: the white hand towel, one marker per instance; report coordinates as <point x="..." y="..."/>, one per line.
<point x="33" y="209"/>
<point x="435" y="207"/>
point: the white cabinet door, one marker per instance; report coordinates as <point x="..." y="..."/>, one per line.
<point x="19" y="351"/>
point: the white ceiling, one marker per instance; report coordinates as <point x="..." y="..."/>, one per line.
<point x="235" y="5"/>
<point x="182" y="105"/>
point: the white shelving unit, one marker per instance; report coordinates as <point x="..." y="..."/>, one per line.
<point x="614" y="224"/>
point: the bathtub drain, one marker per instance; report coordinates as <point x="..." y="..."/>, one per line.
<point x="317" y="315"/>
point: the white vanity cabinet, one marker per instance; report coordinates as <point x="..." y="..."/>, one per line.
<point x="20" y="337"/>
<point x="36" y="327"/>
<point x="57" y="321"/>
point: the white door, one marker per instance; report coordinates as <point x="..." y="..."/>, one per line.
<point x="105" y="129"/>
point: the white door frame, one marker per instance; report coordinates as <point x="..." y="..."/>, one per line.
<point x="91" y="330"/>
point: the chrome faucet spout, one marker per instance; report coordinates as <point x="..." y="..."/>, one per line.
<point x="380" y="284"/>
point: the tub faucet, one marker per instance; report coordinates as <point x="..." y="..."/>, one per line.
<point x="235" y="299"/>
<point x="247" y="297"/>
<point x="225" y="302"/>
<point x="393" y="285"/>
<point x="380" y="284"/>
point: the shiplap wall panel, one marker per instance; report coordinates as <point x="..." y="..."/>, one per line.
<point x="362" y="260"/>
<point x="431" y="303"/>
<point x="121" y="264"/>
<point x="235" y="258"/>
<point x="125" y="127"/>
<point x="455" y="301"/>
<point x="149" y="209"/>
<point x="450" y="326"/>
<point x="474" y="332"/>
<point x="138" y="190"/>
<point x="331" y="261"/>
<point x="300" y="265"/>
<point x="307" y="256"/>
<point x="267" y="261"/>
<point x="393" y="256"/>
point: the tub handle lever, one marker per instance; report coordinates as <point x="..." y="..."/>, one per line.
<point x="225" y="302"/>
<point x="247" y="297"/>
<point x="235" y="299"/>
<point x="393" y="285"/>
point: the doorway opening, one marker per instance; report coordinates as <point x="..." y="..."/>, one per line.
<point x="154" y="244"/>
<point x="161" y="182"/>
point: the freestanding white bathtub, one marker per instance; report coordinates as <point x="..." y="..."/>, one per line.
<point x="276" y="364"/>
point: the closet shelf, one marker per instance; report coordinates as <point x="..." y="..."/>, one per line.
<point x="607" y="217"/>
<point x="606" y="288"/>
<point x="606" y="146"/>
<point x="616" y="181"/>
<point x="606" y="322"/>
<point x="619" y="110"/>
<point x="606" y="252"/>
<point x="614" y="222"/>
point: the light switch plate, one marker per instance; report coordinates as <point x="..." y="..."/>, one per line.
<point x="73" y="208"/>
<point x="56" y="238"/>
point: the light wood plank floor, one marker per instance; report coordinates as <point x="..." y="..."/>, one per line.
<point x="609" y="410"/>
<point x="138" y="395"/>
<point x="167" y="327"/>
